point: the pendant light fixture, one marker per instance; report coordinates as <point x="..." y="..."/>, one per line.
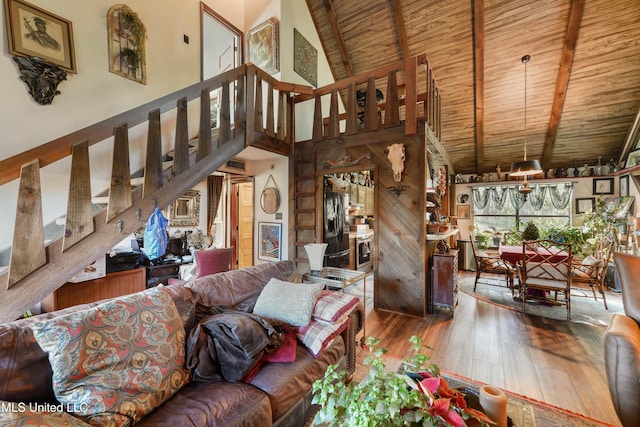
<point x="525" y="167"/>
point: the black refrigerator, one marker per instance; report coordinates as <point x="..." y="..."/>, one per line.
<point x="336" y="229"/>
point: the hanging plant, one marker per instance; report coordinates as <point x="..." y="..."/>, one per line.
<point x="131" y="26"/>
<point x="131" y="58"/>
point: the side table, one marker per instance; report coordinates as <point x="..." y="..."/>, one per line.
<point x="340" y="278"/>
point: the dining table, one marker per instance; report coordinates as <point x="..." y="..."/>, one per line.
<point x="515" y="254"/>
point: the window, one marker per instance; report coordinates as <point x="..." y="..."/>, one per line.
<point x="503" y="208"/>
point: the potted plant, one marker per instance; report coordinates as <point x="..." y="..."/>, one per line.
<point x="414" y="395"/>
<point x="530" y="232"/>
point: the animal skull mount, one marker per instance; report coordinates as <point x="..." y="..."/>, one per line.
<point x="396" y="156"/>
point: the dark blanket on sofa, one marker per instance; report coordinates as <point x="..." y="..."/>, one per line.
<point x="228" y="343"/>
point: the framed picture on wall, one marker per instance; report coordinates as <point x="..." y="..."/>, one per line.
<point x="464" y="212"/>
<point x="270" y="237"/>
<point x="305" y="58"/>
<point x="624" y="185"/>
<point x="35" y="32"/>
<point x="263" y="46"/>
<point x="602" y="186"/>
<point x="584" y="205"/>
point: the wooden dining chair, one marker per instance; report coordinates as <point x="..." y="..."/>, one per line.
<point x="546" y="267"/>
<point x="591" y="270"/>
<point x="489" y="262"/>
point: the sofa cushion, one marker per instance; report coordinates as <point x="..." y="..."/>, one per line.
<point x="119" y="360"/>
<point x="286" y="383"/>
<point x="332" y="306"/>
<point x="19" y="414"/>
<point x="316" y="336"/>
<point x="288" y="302"/>
<point x="238" y="289"/>
<point x="212" y="261"/>
<point x="202" y="403"/>
<point x="25" y="372"/>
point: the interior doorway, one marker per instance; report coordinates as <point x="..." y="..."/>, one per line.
<point x="242" y="190"/>
<point x="221" y="43"/>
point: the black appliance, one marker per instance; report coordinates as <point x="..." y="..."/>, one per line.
<point x="363" y="255"/>
<point x="336" y="227"/>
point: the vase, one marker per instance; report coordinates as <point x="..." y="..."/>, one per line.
<point x="315" y="254"/>
<point x="494" y="404"/>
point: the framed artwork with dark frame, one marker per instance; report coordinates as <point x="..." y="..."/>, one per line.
<point x="305" y="58"/>
<point x="270" y="237"/>
<point x="623" y="183"/>
<point x="586" y="204"/>
<point x="602" y="186"/>
<point x="263" y="46"/>
<point x="34" y="32"/>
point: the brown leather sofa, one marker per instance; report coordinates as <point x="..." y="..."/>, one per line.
<point x="622" y="344"/>
<point x="280" y="394"/>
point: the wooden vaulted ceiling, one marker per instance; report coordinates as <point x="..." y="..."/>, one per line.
<point x="583" y="79"/>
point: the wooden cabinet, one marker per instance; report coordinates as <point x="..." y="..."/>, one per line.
<point x="444" y="281"/>
<point x="111" y="286"/>
<point x="362" y="195"/>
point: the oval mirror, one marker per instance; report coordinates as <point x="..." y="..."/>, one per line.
<point x="270" y="200"/>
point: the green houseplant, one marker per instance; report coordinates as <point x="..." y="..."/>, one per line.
<point x="530" y="232"/>
<point x="414" y="396"/>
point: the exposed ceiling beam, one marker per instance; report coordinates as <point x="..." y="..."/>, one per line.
<point x="633" y="136"/>
<point x="477" y="20"/>
<point x="562" y="81"/>
<point x="396" y="7"/>
<point x="331" y="15"/>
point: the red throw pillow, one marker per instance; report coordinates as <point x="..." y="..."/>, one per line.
<point x="286" y="352"/>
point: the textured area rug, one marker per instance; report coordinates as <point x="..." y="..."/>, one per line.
<point x="523" y="411"/>
<point x="584" y="308"/>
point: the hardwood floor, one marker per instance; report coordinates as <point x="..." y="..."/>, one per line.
<point x="557" y="362"/>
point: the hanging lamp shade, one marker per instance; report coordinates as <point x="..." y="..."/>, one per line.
<point x="525" y="167"/>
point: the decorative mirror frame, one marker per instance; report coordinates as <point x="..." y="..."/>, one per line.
<point x="270" y="197"/>
<point x="185" y="210"/>
<point x="127" y="37"/>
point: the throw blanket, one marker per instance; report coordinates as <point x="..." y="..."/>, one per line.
<point x="228" y="343"/>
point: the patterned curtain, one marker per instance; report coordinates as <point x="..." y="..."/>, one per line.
<point x="517" y="199"/>
<point x="560" y="197"/>
<point x="500" y="196"/>
<point x="214" y="190"/>
<point x="536" y="198"/>
<point x="480" y="196"/>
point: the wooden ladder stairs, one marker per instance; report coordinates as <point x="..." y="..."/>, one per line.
<point x="305" y="208"/>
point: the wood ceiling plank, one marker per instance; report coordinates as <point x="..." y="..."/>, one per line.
<point x="566" y="63"/>
<point x="400" y="28"/>
<point x="478" y="70"/>
<point x="333" y="22"/>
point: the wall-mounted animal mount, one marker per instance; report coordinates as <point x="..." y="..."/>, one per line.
<point x="396" y="156"/>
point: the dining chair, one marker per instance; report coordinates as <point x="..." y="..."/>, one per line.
<point x="546" y="267"/>
<point x="591" y="270"/>
<point x="489" y="262"/>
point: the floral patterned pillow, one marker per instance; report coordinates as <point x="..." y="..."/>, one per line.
<point x="21" y="414"/>
<point x="116" y="362"/>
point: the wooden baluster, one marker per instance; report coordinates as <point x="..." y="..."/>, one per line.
<point x="333" y="129"/>
<point x="153" y="178"/>
<point x="28" y="252"/>
<point x="270" y="110"/>
<point x="411" y="97"/>
<point x="317" y="120"/>
<point x="258" y="125"/>
<point x="181" y="149"/>
<point x="392" y="106"/>
<point x="225" y="115"/>
<point x="240" y="115"/>
<point x="120" y="190"/>
<point x="79" y="219"/>
<point x="371" y="118"/>
<point x="282" y="110"/>
<point x="352" y="125"/>
<point x="205" y="145"/>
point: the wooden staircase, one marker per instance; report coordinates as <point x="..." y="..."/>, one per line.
<point x="37" y="269"/>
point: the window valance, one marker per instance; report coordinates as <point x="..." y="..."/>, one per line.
<point x="559" y="195"/>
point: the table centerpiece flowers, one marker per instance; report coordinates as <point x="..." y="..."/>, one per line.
<point x="414" y="395"/>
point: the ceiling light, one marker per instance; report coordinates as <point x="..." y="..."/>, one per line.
<point x="525" y="167"/>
